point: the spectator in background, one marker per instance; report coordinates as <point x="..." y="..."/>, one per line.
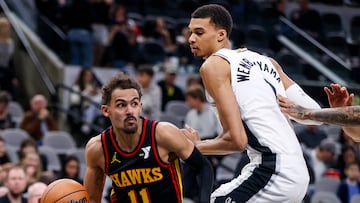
<point x="349" y="186"/>
<point x="6" y="120"/>
<point x="151" y="92"/>
<point x="86" y="102"/>
<point x="16" y="184"/>
<point x="311" y="136"/>
<point x="123" y="47"/>
<point x="201" y="117"/>
<point x="8" y="80"/>
<point x="71" y="169"/>
<point x="193" y="80"/>
<point x="31" y="162"/>
<point x="38" y="120"/>
<point x="323" y="157"/>
<point x="155" y="30"/>
<point x="101" y="13"/>
<point x="348" y="155"/>
<point x="307" y="19"/>
<point x="78" y="20"/>
<point x="169" y="90"/>
<point x="28" y="146"/>
<point x="5" y="161"/>
<point x="35" y="191"/>
<point x="163" y="35"/>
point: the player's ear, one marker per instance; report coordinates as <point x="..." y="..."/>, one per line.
<point x="221" y="35"/>
<point x="105" y="110"/>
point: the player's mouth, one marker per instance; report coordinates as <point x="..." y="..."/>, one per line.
<point x="194" y="49"/>
<point x="130" y="120"/>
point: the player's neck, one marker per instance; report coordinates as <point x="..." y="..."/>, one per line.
<point x="226" y="44"/>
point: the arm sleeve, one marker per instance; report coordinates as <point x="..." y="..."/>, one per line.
<point x="296" y="94"/>
<point x="204" y="173"/>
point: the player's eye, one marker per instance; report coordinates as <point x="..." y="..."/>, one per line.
<point x="121" y="105"/>
<point x="199" y="33"/>
<point x="134" y="104"/>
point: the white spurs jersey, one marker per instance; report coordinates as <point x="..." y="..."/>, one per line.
<point x="256" y="83"/>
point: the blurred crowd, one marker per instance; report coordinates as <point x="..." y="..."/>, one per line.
<point x="130" y="37"/>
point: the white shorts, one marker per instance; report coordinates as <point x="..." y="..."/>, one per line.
<point x="270" y="178"/>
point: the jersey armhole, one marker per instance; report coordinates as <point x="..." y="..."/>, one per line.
<point x="105" y="150"/>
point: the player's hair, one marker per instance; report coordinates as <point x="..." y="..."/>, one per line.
<point x="218" y="15"/>
<point x="118" y="81"/>
<point x="196" y="91"/>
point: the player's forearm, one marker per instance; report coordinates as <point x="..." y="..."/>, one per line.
<point x="343" y="116"/>
<point x="217" y="146"/>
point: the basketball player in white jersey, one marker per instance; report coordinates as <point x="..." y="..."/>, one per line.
<point x="244" y="85"/>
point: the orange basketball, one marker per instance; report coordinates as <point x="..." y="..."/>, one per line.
<point x="65" y="190"/>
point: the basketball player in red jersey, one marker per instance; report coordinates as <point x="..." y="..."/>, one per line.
<point x="139" y="155"/>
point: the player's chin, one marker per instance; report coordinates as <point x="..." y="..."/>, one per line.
<point x="198" y="55"/>
<point x="131" y="129"/>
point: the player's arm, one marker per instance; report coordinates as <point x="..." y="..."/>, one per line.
<point x="215" y="73"/>
<point x="343" y="116"/>
<point x="94" y="179"/>
<point x="170" y="138"/>
<point x="297" y="94"/>
<point x="347" y="116"/>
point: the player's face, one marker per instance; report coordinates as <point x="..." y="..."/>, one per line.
<point x="203" y="38"/>
<point x="124" y="110"/>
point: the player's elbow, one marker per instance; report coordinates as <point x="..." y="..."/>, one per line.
<point x="241" y="143"/>
<point x="241" y="146"/>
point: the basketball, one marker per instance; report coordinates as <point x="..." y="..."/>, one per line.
<point x="65" y="190"/>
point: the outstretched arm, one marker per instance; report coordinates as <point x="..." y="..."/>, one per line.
<point x="347" y="116"/>
<point x="343" y="116"/>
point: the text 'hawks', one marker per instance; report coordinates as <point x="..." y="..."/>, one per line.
<point x="137" y="176"/>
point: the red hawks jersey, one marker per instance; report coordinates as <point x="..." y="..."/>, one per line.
<point x="141" y="176"/>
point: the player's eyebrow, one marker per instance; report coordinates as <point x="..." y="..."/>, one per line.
<point x="198" y="29"/>
<point x="123" y="100"/>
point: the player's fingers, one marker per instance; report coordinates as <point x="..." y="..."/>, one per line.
<point x="349" y="100"/>
<point x="328" y="91"/>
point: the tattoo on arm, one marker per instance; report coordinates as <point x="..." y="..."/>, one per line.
<point x="344" y="116"/>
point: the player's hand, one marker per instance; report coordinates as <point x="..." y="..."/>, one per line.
<point x="338" y="96"/>
<point x="289" y="107"/>
<point x="191" y="134"/>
